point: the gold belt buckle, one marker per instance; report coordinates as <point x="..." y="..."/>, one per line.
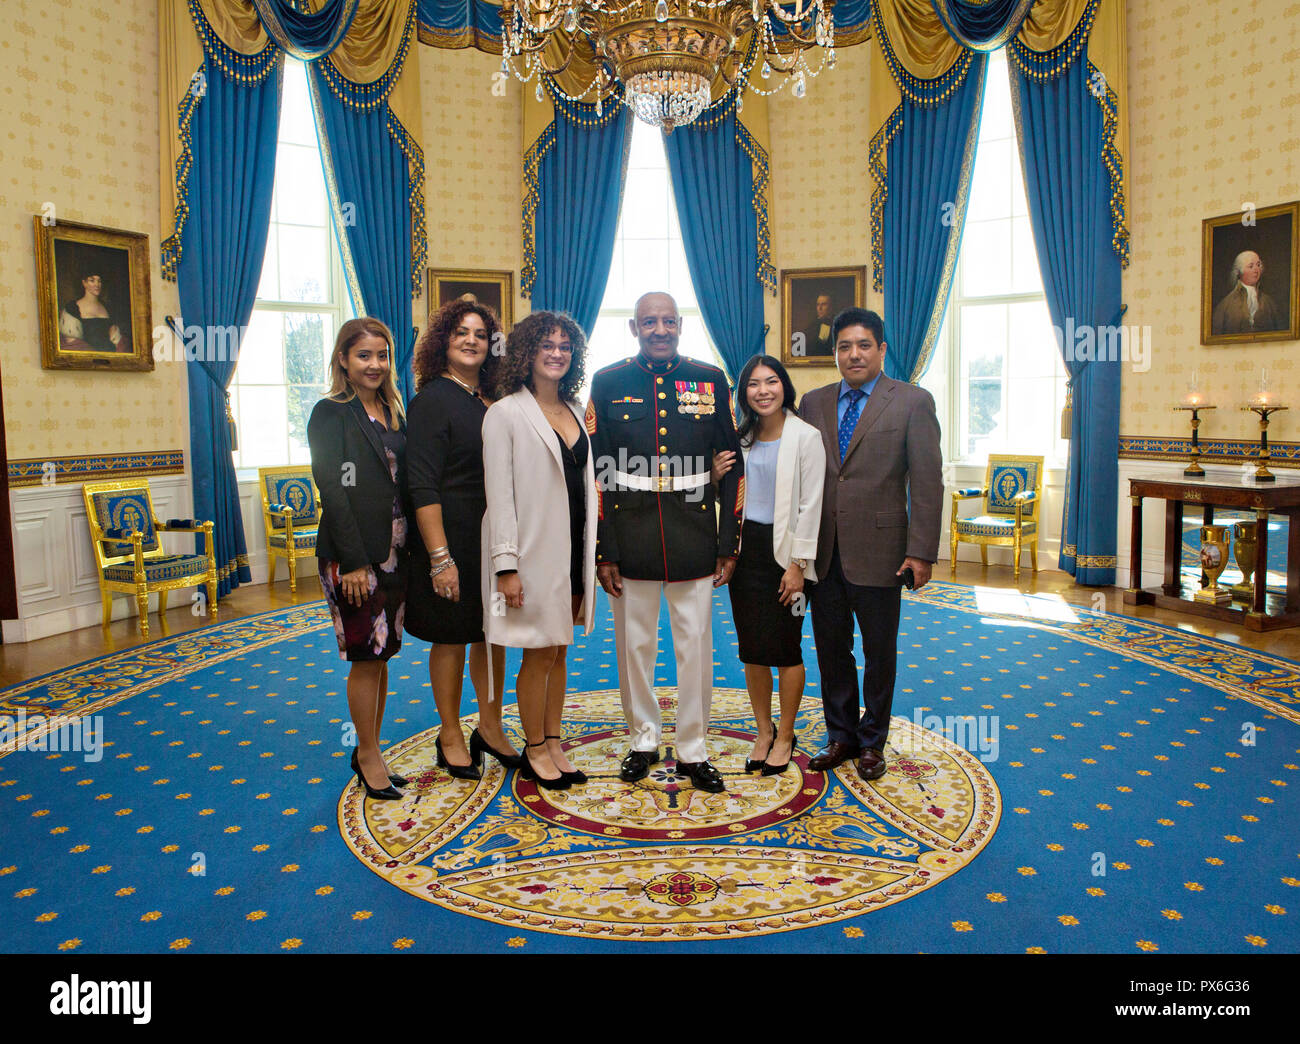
<point x="664" y="484"/>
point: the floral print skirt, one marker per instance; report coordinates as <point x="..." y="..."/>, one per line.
<point x="373" y="629"/>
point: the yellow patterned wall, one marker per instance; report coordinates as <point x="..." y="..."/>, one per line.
<point x="79" y="90"/>
<point x="473" y="135"/>
<point x="821" y="191"/>
<point x="1214" y="123"/>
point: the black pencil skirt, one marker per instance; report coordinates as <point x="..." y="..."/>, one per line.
<point x="769" y="633"/>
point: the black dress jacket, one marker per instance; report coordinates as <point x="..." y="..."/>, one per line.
<point x="651" y="422"/>
<point x="356" y="486"/>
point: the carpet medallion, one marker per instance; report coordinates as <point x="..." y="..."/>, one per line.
<point x="659" y="860"/>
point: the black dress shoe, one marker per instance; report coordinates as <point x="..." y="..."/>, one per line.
<point x="397" y="781"/>
<point x="754" y="764"/>
<point x="703" y="775"/>
<point x="389" y="793"/>
<point x="775" y="770"/>
<point x="478" y="746"/>
<point x="577" y="776"/>
<point x="832" y="756"/>
<point x="637" y="764"/>
<point x="527" y="771"/>
<point x="457" y="771"/>
<point x="871" y="765"/>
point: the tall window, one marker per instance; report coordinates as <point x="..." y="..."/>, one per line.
<point x="648" y="255"/>
<point x="301" y="300"/>
<point x="997" y="364"/>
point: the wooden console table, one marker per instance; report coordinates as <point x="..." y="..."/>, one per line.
<point x="1265" y="612"/>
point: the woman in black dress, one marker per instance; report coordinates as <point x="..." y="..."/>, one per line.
<point x="454" y="372"/>
<point x="358" y="449"/>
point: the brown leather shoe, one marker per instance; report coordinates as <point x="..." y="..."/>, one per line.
<point x="833" y="754"/>
<point x="871" y="765"/>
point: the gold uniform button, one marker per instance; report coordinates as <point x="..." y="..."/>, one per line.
<point x="663" y="449"/>
<point x="663" y="467"/>
<point x="625" y="417"/>
<point x="663" y="431"/>
<point x="663" y="395"/>
<point x="659" y="380"/>
<point x="663" y="413"/>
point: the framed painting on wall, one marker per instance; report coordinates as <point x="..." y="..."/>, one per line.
<point x="1249" y="287"/>
<point x="494" y="289"/>
<point x="92" y="289"/>
<point x="810" y="299"/>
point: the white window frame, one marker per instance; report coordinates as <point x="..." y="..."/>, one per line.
<point x="339" y="308"/>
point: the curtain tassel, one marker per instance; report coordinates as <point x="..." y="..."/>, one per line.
<point x="230" y="421"/>
<point x="1067" y="411"/>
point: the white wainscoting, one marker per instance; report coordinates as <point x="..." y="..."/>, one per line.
<point x="58" y="590"/>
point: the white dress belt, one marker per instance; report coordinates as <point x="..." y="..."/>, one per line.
<point x="662" y="483"/>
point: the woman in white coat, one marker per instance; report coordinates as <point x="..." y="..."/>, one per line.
<point x="785" y="467"/>
<point x="539" y="531"/>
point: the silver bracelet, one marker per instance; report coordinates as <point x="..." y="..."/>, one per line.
<point x="440" y="567"/>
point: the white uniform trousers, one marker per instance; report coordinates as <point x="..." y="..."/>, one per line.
<point x="636" y="635"/>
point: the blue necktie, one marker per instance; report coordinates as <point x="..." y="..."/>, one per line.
<point x="850" y="421"/>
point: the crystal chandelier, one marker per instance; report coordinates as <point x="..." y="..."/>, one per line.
<point x="666" y="53"/>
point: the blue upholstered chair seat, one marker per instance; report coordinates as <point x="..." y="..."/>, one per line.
<point x="156" y="570"/>
<point x="305" y="537"/>
<point x="993" y="525"/>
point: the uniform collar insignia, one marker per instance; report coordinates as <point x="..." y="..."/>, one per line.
<point x="667" y="366"/>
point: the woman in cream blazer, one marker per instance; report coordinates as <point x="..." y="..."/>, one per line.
<point x="539" y="530"/>
<point x="785" y="468"/>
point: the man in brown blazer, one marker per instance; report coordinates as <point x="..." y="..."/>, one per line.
<point x="881" y="515"/>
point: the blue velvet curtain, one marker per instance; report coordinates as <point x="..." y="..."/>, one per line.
<point x="374" y="172"/>
<point x="579" y="192"/>
<point x="929" y="158"/>
<point x="713" y="183"/>
<point x="233" y="133"/>
<point x="982" y="25"/>
<point x="305" y="35"/>
<point x="1062" y="137"/>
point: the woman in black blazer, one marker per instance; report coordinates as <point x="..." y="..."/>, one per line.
<point x="357" y="435"/>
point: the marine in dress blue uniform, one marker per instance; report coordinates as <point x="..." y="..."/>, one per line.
<point x="655" y="421"/>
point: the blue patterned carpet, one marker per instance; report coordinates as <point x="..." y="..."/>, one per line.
<point x="1138" y="790"/>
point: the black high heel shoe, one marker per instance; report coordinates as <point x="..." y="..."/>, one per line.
<point x="457" y="771"/>
<point x="397" y="781"/>
<point x="389" y="793"/>
<point x="478" y="746"/>
<point x="754" y="764"/>
<point x="776" y="770"/>
<point x="576" y="776"/>
<point x="527" y="771"/>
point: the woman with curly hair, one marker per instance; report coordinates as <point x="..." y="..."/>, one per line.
<point x="539" y="575"/>
<point x="454" y="369"/>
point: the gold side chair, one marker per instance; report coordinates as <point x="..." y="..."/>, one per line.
<point x="291" y="514"/>
<point x="129" y="558"/>
<point x="1013" y="495"/>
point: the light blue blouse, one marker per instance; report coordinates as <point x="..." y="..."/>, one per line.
<point x="760" y="481"/>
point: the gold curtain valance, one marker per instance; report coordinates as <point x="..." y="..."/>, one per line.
<point x="923" y="49"/>
<point x="374" y="41"/>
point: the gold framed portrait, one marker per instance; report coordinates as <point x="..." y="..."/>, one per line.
<point x="93" y="296"/>
<point x="810" y="299"/>
<point x="494" y="289"/>
<point x="1249" y="286"/>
